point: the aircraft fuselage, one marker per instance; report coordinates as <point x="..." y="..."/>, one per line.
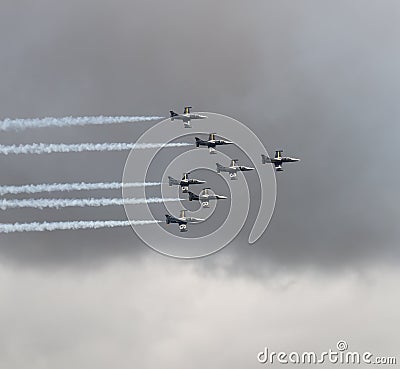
<point x="188" y="117"/>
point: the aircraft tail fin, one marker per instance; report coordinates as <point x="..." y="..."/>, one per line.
<point x="219" y="167"/>
<point x="192" y="196"/>
<point x="197" y="141"/>
<point x="265" y="159"/>
<point x="172" y="114"/>
<point x="172" y="181"/>
<point x="167" y="218"/>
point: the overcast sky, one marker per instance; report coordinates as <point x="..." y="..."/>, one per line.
<point x="319" y="79"/>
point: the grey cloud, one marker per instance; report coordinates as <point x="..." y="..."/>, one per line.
<point x="158" y="313"/>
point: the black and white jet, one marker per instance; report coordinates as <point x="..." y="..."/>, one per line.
<point x="185" y="182"/>
<point x="204" y="197"/>
<point x="211" y="143"/>
<point x="183" y="220"/>
<point x="233" y="168"/>
<point x="278" y="160"/>
<point x="186" y="117"/>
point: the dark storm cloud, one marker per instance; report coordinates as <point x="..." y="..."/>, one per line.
<point x="318" y="79"/>
<point x="148" y="314"/>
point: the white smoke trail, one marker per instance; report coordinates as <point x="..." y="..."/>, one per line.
<point x="61" y="187"/>
<point x="42" y="148"/>
<point x="20" y="124"/>
<point x="53" y="226"/>
<point x="63" y="203"/>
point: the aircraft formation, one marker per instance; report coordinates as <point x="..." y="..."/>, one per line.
<point x="205" y="196"/>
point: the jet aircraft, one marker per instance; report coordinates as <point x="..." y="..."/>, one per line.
<point x="185" y="182"/>
<point x="183" y="220"/>
<point x="204" y="197"/>
<point x="233" y="169"/>
<point x="186" y="117"/>
<point x="278" y="160"/>
<point x="211" y="143"/>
